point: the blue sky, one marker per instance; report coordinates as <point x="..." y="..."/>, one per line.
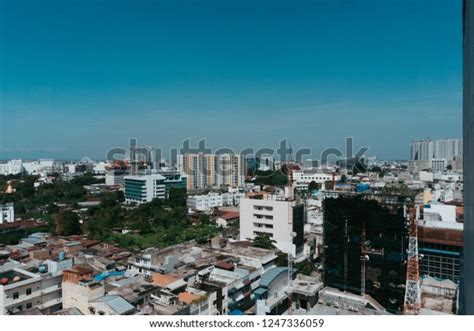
<point x="79" y="77"/>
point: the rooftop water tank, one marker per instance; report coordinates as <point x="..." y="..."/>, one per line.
<point x="42" y="269"/>
<point x="4" y="281"/>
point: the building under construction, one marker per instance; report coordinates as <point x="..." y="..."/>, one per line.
<point x="365" y="245"/>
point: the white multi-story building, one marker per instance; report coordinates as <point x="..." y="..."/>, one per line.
<point x="438" y="164"/>
<point x="211" y="200"/>
<point x="302" y="179"/>
<point x="144" y="188"/>
<point x="7" y="213"/>
<point x="447" y="149"/>
<point x="422" y="150"/>
<point x="12" y="167"/>
<point x="441" y="149"/>
<point x="44" y="167"/>
<point x="439" y="215"/>
<point x="115" y="177"/>
<point x="21" y="289"/>
<point x="99" y="167"/>
<point x="205" y="202"/>
<point x="282" y="220"/>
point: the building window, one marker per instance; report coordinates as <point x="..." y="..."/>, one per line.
<point x="29" y="305"/>
<point x="15" y="295"/>
<point x="28" y="291"/>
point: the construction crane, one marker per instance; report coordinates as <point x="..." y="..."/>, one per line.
<point x="412" y="303"/>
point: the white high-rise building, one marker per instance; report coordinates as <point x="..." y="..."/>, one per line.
<point x="447" y="149"/>
<point x="422" y="150"/>
<point x="430" y="151"/>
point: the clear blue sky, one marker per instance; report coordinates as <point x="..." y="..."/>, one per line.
<point x="79" y="77"/>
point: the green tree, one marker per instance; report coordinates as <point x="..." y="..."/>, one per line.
<point x="282" y="259"/>
<point x="67" y="223"/>
<point x="305" y="268"/>
<point x="263" y="241"/>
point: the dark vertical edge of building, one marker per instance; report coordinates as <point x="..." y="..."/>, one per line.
<point x="468" y="124"/>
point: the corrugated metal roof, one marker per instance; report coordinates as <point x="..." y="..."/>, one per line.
<point x="117" y="303"/>
<point x="269" y="276"/>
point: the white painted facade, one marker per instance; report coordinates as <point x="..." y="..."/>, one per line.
<point x="7" y="213"/>
<point x="211" y="200"/>
<point x="302" y="179"/>
<point x="268" y="216"/>
<point x="438" y="215"/>
<point x="12" y="167"/>
<point x="144" y="188"/>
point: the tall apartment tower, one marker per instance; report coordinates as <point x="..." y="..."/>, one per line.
<point x="468" y="156"/>
<point x="209" y="170"/>
<point x="422" y="150"/>
<point x="199" y="168"/>
<point x="229" y="170"/>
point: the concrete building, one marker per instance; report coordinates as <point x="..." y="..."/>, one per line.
<point x="199" y="169"/>
<point x="115" y="177"/>
<point x="302" y="179"/>
<point x="206" y="202"/>
<point x="280" y="219"/>
<point x="436" y="150"/>
<point x="438" y="164"/>
<point x="12" y="167"/>
<point x="229" y="170"/>
<point x="272" y="295"/>
<point x="22" y="289"/>
<point x="42" y="167"/>
<point x="173" y="179"/>
<point x="144" y="188"/>
<point x="78" y="289"/>
<point x="209" y="170"/>
<point x="239" y="281"/>
<point x="447" y="149"/>
<point x="110" y="305"/>
<point x="305" y="292"/>
<point x="422" y="150"/>
<point x="7" y="213"/>
<point x="440" y="241"/>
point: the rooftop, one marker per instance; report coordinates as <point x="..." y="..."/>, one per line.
<point x="116" y="303"/>
<point x="269" y="276"/>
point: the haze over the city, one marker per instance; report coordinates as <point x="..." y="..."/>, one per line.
<point x="79" y="77"/>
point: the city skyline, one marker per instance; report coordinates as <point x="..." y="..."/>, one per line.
<point x="102" y="72"/>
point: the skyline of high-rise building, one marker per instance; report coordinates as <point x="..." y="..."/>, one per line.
<point x="439" y="149"/>
<point x="212" y="170"/>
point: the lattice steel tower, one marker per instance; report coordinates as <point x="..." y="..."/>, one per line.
<point x="412" y="289"/>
